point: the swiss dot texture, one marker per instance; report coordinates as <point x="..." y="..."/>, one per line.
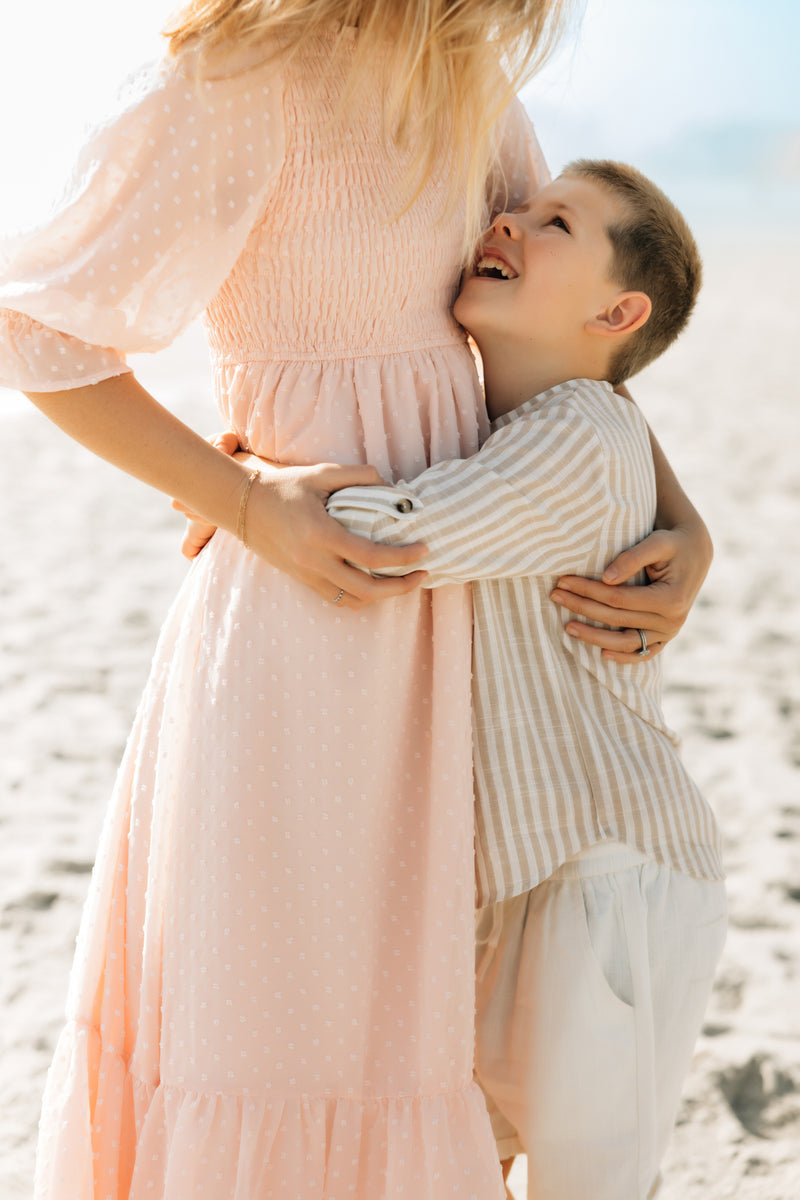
<point x="273" y="988"/>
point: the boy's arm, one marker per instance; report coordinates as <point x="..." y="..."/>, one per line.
<point x="532" y="501"/>
<point x="676" y="557"/>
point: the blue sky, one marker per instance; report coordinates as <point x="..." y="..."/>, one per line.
<point x="642" y="73"/>
<point x="653" y="65"/>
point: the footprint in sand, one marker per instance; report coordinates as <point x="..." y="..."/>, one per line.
<point x="763" y="1097"/>
<point x="32" y="902"/>
<point x="729" y="987"/>
<point x="66" y="866"/>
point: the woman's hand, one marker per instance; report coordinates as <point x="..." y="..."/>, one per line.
<point x="286" y="519"/>
<point x="676" y="561"/>
<point x="287" y="524"/>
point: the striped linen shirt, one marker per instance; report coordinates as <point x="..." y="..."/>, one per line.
<point x="570" y="748"/>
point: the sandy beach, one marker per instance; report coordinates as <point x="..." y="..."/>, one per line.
<point x="91" y="563"/>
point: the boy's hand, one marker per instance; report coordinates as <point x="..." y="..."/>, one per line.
<point x="199" y="532"/>
<point x="676" y="561"/>
<point x="196" y="536"/>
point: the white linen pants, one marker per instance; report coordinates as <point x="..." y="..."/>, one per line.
<point x="591" y="990"/>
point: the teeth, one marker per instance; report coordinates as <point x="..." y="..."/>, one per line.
<point x="489" y="263"/>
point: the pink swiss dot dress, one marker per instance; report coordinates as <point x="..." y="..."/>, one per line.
<point x="272" y="997"/>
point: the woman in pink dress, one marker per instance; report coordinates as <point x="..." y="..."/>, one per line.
<point x="272" y="994"/>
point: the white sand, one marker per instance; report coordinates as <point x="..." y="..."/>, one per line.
<point x="91" y="562"/>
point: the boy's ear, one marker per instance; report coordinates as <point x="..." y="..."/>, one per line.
<point x="626" y="313"/>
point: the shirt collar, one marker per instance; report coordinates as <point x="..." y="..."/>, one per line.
<point x="535" y="402"/>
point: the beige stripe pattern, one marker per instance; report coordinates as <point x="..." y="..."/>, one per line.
<point x="570" y="749"/>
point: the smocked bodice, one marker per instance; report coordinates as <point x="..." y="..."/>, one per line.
<point x="243" y="197"/>
<point x="335" y="269"/>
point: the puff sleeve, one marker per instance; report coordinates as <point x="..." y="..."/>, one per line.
<point x="159" y="207"/>
<point x="521" y="168"/>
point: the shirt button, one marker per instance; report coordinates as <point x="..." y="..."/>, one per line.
<point x="404" y="506"/>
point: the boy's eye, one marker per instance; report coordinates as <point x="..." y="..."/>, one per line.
<point x="560" y="223"/>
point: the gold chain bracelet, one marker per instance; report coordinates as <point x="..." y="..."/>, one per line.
<point x="242" y="518"/>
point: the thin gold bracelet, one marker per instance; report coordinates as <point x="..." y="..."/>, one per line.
<point x="242" y="518"/>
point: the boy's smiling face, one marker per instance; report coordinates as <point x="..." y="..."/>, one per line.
<point x="543" y="271"/>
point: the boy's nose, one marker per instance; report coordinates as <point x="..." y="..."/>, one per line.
<point x="507" y="225"/>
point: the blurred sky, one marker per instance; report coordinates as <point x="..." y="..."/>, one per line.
<point x="647" y="69"/>
<point x="641" y="74"/>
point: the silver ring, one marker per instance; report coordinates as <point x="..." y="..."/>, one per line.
<point x="341" y="593"/>
<point x="643" y="652"/>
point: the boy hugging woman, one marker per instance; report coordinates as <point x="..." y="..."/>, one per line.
<point x="601" y="907"/>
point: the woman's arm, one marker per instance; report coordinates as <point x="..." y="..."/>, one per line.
<point x="286" y="520"/>
<point x="676" y="557"/>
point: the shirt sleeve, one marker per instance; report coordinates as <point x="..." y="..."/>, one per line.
<point x="157" y="210"/>
<point x="532" y="501"/>
<point x="521" y="168"/>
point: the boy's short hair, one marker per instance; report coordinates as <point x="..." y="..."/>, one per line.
<point x="653" y="251"/>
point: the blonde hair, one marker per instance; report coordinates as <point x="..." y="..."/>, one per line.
<point x="653" y="251"/>
<point x="451" y="68"/>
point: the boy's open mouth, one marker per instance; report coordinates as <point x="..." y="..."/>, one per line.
<point x="490" y="267"/>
